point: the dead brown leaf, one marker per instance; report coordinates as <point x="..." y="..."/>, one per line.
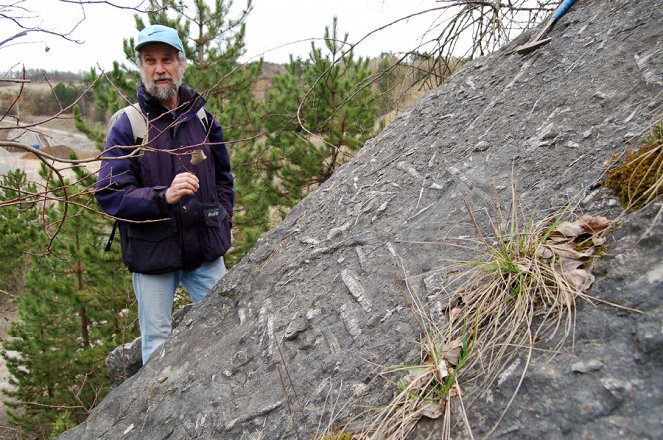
<point x="568" y="229"/>
<point x="580" y="278"/>
<point x="544" y="251"/>
<point x="453" y="314"/>
<point x="586" y="224"/>
<point x="569" y="264"/>
<point x="451" y="351"/>
<point x="568" y="250"/>
<point x="433" y="410"/>
<point x="593" y="224"/>
<point x="598" y="241"/>
<point x="442" y="369"/>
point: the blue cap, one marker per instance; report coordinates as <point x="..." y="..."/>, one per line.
<point x="158" y="33"/>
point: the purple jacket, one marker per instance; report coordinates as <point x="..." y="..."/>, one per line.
<point x="195" y="230"/>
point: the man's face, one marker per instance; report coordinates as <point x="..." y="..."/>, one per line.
<point x="161" y="71"/>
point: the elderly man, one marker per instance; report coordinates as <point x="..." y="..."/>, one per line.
<point x="172" y="192"/>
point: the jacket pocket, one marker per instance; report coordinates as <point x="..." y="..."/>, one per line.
<point x="216" y="232"/>
<point x="151" y="247"/>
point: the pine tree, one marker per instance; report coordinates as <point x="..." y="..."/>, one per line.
<point x="213" y="43"/>
<point x="390" y="80"/>
<point x="18" y="230"/>
<point x="76" y="308"/>
<point x="109" y="96"/>
<point x="337" y="113"/>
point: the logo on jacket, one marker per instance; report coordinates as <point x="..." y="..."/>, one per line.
<point x="214" y="213"/>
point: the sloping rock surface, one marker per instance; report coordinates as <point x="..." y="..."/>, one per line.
<point x="301" y="328"/>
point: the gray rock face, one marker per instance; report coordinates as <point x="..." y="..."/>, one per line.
<point x="295" y="336"/>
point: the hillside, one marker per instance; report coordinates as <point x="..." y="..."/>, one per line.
<point x="294" y="339"/>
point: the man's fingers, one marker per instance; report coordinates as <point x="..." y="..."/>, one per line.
<point x="184" y="184"/>
<point x="185" y="181"/>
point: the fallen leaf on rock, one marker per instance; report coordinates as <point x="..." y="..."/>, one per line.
<point x="569" y="264"/>
<point x="558" y="238"/>
<point x="568" y="250"/>
<point x="415" y="379"/>
<point x="593" y="224"/>
<point x="451" y="351"/>
<point x="568" y="229"/>
<point x="523" y="268"/>
<point x="598" y="241"/>
<point x="442" y="369"/>
<point x="586" y="224"/>
<point x="544" y="251"/>
<point x="433" y="410"/>
<point x="580" y="278"/>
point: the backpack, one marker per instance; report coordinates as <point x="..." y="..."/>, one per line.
<point x="139" y="129"/>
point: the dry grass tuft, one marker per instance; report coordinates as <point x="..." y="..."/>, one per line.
<point x="425" y="388"/>
<point x="524" y="284"/>
<point x="520" y="290"/>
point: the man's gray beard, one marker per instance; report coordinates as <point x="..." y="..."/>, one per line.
<point x="162" y="93"/>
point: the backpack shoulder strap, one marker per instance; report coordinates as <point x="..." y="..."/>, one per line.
<point x="136" y="119"/>
<point x="203" y="118"/>
<point x="139" y="131"/>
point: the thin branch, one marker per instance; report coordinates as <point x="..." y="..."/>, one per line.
<point x="18" y="81"/>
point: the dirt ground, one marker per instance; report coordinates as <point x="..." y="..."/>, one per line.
<point x="54" y="135"/>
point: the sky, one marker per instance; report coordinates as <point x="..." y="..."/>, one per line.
<point x="273" y="27"/>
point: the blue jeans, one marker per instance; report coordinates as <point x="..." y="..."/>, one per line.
<point x="155" y="294"/>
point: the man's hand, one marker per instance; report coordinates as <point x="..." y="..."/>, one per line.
<point x="184" y="184"/>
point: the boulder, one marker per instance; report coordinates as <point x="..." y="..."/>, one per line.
<point x="125" y="361"/>
<point x="294" y="342"/>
